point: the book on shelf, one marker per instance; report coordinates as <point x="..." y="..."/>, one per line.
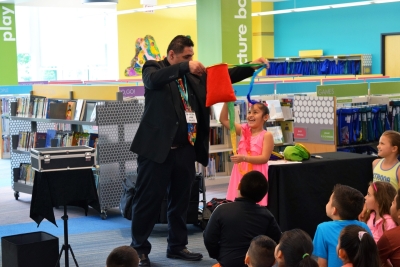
<point x="78" y="109"/>
<point x="26" y="174"/>
<point x="275" y="109"/>
<point x="276" y="133"/>
<point x="217" y="136"/>
<point x="242" y="105"/>
<point x="287" y="131"/>
<point x="70" y="112"/>
<point x="89" y="109"/>
<point x="57" y="110"/>
<point x="93" y="115"/>
<point x="51" y="134"/>
<point x="216" y="111"/>
<point x="287" y="108"/>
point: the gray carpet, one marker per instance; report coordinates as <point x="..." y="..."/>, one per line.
<point x="92" y="248"/>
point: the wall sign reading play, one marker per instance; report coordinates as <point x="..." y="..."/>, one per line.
<point x="8" y="46"/>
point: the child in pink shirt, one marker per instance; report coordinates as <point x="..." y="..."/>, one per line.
<point x="378" y="201"/>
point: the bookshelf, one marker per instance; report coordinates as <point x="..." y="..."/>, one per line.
<point x="7" y="94"/>
<point x="116" y="123"/>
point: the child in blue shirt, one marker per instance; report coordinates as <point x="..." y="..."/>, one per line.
<point x="344" y="206"/>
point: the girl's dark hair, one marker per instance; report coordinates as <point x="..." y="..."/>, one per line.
<point x="360" y="246"/>
<point x="394" y="138"/>
<point x="384" y="195"/>
<point x="297" y="247"/>
<point x="262" y="107"/>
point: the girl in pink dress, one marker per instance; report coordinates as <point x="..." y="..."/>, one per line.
<point x="254" y="149"/>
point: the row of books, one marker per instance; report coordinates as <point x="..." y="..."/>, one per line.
<point x="54" y="138"/>
<point x="5" y="105"/>
<point x="5" y="125"/>
<point x="216" y="164"/>
<point x="42" y="107"/>
<point x="6" y="145"/>
<point x="26" y="174"/>
<point x="217" y="136"/>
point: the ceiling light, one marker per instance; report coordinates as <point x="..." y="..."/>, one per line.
<point x="144" y="9"/>
<point x="311" y="8"/>
<point x="274" y="12"/>
<point x="99" y="2"/>
<point x="385" y="1"/>
<point x="352" y="4"/>
<point x="182" y="4"/>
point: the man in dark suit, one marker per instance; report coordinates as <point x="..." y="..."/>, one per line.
<point x="175" y="96"/>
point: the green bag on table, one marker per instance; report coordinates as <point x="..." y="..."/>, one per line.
<point x="298" y="152"/>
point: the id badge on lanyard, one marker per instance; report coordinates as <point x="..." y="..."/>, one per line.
<point x="190" y="117"/>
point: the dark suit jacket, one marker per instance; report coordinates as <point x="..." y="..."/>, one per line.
<point x="159" y="123"/>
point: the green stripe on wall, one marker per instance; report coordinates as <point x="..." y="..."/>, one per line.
<point x="8" y="46"/>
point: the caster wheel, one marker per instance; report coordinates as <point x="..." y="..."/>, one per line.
<point x="16" y="195"/>
<point x="103" y="215"/>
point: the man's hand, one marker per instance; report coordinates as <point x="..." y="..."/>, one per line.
<point x="196" y="68"/>
<point x="260" y="60"/>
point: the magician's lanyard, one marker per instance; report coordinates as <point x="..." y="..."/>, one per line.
<point x="184" y="93"/>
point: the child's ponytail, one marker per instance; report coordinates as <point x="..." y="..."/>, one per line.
<point x="307" y="261"/>
<point x="359" y="245"/>
<point x="367" y="254"/>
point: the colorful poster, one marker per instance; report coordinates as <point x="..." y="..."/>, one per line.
<point x="145" y="49"/>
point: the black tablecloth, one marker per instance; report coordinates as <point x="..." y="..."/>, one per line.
<point x="298" y="193"/>
<point x="56" y="189"/>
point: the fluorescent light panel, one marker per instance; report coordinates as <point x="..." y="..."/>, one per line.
<point x="144" y="9"/>
<point x="311" y="8"/>
<point x="283" y="11"/>
<point x="385" y="1"/>
<point x="352" y="4"/>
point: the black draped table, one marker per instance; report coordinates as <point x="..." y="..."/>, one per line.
<point x="299" y="192"/>
<point x="62" y="188"/>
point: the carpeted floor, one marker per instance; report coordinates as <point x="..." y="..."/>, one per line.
<point x="91" y="238"/>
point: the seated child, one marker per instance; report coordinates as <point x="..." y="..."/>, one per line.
<point x="295" y="249"/>
<point x="233" y="225"/>
<point x="389" y="243"/>
<point x="261" y="252"/>
<point x="377" y="201"/>
<point x="124" y="256"/>
<point x="344" y="206"/>
<point x="357" y="248"/>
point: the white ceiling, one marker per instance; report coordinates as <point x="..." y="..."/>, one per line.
<point x="76" y="3"/>
<point x="56" y="3"/>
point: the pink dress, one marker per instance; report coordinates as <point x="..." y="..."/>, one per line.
<point x="256" y="145"/>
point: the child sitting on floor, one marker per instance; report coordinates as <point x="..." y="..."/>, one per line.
<point x="124" y="256"/>
<point x="344" y="206"/>
<point x="377" y="201"/>
<point x="295" y="249"/>
<point x="261" y="252"/>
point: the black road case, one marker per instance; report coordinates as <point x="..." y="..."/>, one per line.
<point x="30" y="249"/>
<point x="63" y="158"/>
